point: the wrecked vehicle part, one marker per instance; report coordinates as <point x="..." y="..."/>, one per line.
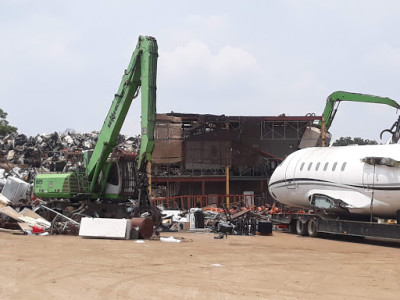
<point x="59" y="223"/>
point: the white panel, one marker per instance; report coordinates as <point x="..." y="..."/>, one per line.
<point x="105" y="228"/>
<point x="15" y="189"/>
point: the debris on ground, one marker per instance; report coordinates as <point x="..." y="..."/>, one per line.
<point x="170" y="239"/>
<point x="236" y="221"/>
<point x="22" y="158"/>
<point x="27" y="220"/>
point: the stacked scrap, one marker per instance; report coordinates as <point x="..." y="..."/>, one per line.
<point x="20" y="158"/>
<point x="53" y="152"/>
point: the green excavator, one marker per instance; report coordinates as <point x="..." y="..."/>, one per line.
<point x="109" y="176"/>
<point x="318" y="135"/>
<point x="334" y="99"/>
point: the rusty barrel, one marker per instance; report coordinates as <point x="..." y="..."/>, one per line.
<point x="145" y="227"/>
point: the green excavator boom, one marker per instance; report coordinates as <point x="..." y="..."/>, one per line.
<point x="141" y="73"/>
<point x="335" y="98"/>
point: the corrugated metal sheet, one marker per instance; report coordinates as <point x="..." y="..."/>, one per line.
<point x="168" y="140"/>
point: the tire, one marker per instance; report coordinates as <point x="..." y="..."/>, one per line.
<point x="312" y="228"/>
<point x="301" y="228"/>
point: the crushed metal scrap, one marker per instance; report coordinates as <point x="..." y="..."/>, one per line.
<point x="53" y="152"/>
<point x="22" y="157"/>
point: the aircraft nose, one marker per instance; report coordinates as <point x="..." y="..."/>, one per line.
<point x="271" y="182"/>
<point x="274" y="181"/>
<point x="276" y="176"/>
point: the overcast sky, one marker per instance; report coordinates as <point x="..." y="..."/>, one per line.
<point x="62" y="61"/>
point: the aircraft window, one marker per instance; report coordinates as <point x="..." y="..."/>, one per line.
<point x="309" y="166"/>
<point x="326" y="166"/>
<point x="302" y="166"/>
<point x="343" y="166"/>
<point x="317" y="166"/>
<point x="334" y="166"/>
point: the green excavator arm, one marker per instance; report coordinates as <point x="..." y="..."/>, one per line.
<point x="140" y="74"/>
<point x="335" y="98"/>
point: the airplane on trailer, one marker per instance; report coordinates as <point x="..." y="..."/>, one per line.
<point x="346" y="180"/>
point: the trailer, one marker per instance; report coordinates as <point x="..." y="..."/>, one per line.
<point x="312" y="224"/>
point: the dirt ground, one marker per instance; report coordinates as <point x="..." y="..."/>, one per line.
<point x="281" y="266"/>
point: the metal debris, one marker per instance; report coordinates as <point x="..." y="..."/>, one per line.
<point x="27" y="220"/>
<point x="236" y="221"/>
<point x="22" y="157"/>
<point x="51" y="152"/>
<point x="59" y="223"/>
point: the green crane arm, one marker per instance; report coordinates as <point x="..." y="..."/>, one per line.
<point x="141" y="72"/>
<point x="334" y="99"/>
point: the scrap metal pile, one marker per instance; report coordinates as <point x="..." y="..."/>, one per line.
<point x="55" y="151"/>
<point x="22" y="157"/>
<point x="237" y="220"/>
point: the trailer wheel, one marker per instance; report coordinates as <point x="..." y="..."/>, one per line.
<point x="312" y="228"/>
<point x="301" y="228"/>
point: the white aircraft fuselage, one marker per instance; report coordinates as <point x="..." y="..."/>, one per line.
<point x="349" y="179"/>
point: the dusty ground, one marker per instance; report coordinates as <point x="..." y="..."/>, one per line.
<point x="282" y="266"/>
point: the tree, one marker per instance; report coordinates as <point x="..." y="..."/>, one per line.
<point x="344" y="141"/>
<point x="4" y="127"/>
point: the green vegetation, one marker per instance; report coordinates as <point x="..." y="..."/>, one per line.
<point x="344" y="141"/>
<point x="4" y="127"/>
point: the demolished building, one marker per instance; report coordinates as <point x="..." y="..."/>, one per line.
<point x="209" y="159"/>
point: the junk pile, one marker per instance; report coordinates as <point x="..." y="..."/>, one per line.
<point x="53" y="152"/>
<point x="242" y="221"/>
<point x="237" y="221"/>
<point x="22" y="157"/>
